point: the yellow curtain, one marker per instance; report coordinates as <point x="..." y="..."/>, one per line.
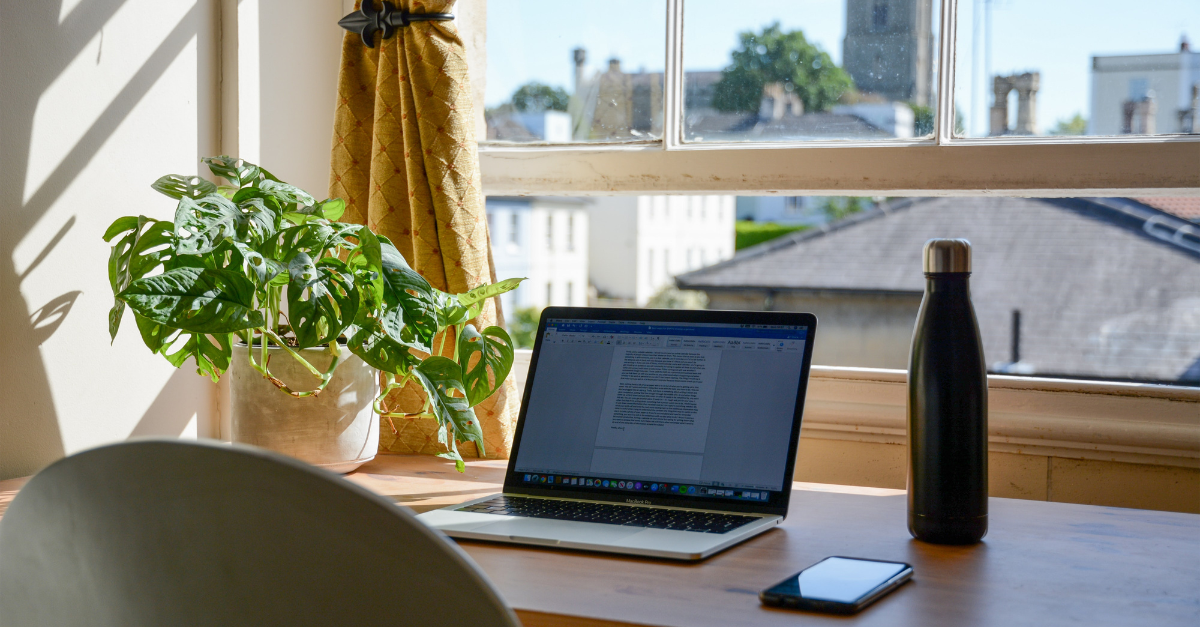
<point x="405" y="161"/>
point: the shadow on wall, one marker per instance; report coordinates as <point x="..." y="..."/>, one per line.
<point x="170" y="413"/>
<point x="35" y="49"/>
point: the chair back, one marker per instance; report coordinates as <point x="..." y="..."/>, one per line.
<point x="157" y="533"/>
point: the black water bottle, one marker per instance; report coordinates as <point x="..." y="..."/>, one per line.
<point x="947" y="405"/>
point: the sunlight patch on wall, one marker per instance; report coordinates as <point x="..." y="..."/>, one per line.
<point x="79" y="96"/>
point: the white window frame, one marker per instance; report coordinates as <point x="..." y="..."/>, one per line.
<point x="944" y="165"/>
<point x="1094" y="420"/>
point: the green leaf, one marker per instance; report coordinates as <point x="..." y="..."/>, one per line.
<point x="179" y="186"/>
<point x="287" y="193"/>
<point x="259" y="269"/>
<point x="156" y="336"/>
<point x="322" y="299"/>
<point x="329" y="210"/>
<point x="450" y="311"/>
<point x="442" y="379"/>
<point x="240" y="173"/>
<point x="211" y="352"/>
<point x="375" y="348"/>
<point x="259" y="220"/>
<point x="201" y="225"/>
<point x="475" y="298"/>
<point x="487" y="291"/>
<point x="312" y="238"/>
<point x="409" y="308"/>
<point x="120" y="225"/>
<point x="367" y="262"/>
<point x="196" y="300"/>
<point x="495" y="350"/>
<point x="147" y="245"/>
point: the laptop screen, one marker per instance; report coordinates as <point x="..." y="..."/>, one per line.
<point x="697" y="409"/>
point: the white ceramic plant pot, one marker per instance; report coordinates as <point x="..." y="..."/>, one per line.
<point x="336" y="430"/>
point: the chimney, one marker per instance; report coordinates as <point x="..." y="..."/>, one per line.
<point x="1184" y="46"/>
<point x="614" y="65"/>
<point x="580" y="56"/>
<point x="1138" y="117"/>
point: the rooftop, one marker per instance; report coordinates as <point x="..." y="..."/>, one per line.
<point x="1106" y="287"/>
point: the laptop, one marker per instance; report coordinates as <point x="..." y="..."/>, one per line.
<point x="653" y="432"/>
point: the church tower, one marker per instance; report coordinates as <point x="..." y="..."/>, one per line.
<point x="888" y="49"/>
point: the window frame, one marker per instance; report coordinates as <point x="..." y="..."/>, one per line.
<point x="943" y="165"/>
<point x="1081" y="419"/>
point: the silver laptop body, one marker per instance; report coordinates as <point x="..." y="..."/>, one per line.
<point x="669" y="415"/>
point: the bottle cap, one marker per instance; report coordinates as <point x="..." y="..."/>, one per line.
<point x="947" y="255"/>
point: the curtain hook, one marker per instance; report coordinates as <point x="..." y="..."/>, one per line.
<point x="386" y="19"/>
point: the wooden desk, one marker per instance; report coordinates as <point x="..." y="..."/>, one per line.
<point x="1041" y="564"/>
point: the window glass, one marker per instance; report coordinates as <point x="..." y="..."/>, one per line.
<point x="1062" y="287"/>
<point x="581" y="71"/>
<point x="809" y="69"/>
<point x="1077" y="67"/>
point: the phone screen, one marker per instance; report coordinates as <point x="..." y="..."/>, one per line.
<point x="838" y="580"/>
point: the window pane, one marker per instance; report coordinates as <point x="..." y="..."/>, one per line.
<point x="1076" y="67"/>
<point x="582" y="71"/>
<point x="809" y="69"/>
<point x="1062" y="287"/>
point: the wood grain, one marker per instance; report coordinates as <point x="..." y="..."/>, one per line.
<point x="1041" y="563"/>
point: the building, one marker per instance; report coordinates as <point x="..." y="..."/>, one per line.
<point x="638" y="244"/>
<point x="1095" y="288"/>
<point x="1146" y="93"/>
<point x="544" y="239"/>
<point x="888" y="49"/>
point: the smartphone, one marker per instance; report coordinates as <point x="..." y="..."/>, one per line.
<point x="838" y="585"/>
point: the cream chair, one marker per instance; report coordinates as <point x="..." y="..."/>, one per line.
<point x="157" y="533"/>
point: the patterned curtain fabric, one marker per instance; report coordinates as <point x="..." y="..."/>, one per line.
<point x="405" y="161"/>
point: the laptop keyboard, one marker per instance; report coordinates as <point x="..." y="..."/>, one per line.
<point x="604" y="513"/>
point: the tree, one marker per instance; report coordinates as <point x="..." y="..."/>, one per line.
<point x="535" y="96"/>
<point x="839" y="207"/>
<point x="774" y="56"/>
<point x="1076" y="125"/>
<point x="923" y="120"/>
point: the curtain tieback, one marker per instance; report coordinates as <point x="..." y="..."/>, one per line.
<point x="368" y="20"/>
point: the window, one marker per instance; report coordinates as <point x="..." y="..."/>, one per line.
<point x="570" y="293"/>
<point x="549" y="293"/>
<point x="929" y="121"/>
<point x="549" y="231"/>
<point x="917" y="127"/>
<point x="879" y="16"/>
<point x="514" y="222"/>
<point x="571" y="232"/>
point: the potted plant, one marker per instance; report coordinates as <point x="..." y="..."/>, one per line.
<point x="259" y="267"/>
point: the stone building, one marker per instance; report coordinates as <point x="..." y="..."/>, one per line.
<point x="889" y="48"/>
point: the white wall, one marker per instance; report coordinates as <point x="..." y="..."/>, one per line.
<point x="1169" y="75"/>
<point x="100" y="98"/>
<point x="612" y="240"/>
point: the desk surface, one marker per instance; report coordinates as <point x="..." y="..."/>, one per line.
<point x="1041" y="563"/>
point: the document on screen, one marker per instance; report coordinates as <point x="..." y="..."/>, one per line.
<point x="659" y="399"/>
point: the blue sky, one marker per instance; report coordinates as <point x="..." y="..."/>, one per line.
<point x="533" y="39"/>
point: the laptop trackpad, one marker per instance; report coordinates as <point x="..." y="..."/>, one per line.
<point x="560" y="530"/>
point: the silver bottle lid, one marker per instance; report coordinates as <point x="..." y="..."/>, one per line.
<point x="947" y="255"/>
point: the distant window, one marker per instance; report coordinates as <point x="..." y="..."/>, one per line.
<point x="570" y="233"/>
<point x="549" y="293"/>
<point x="667" y="262"/>
<point x="689" y="259"/>
<point x="513" y="223"/>
<point x="879" y="16"/>
<point x="570" y="293"/>
<point x="549" y="231"/>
